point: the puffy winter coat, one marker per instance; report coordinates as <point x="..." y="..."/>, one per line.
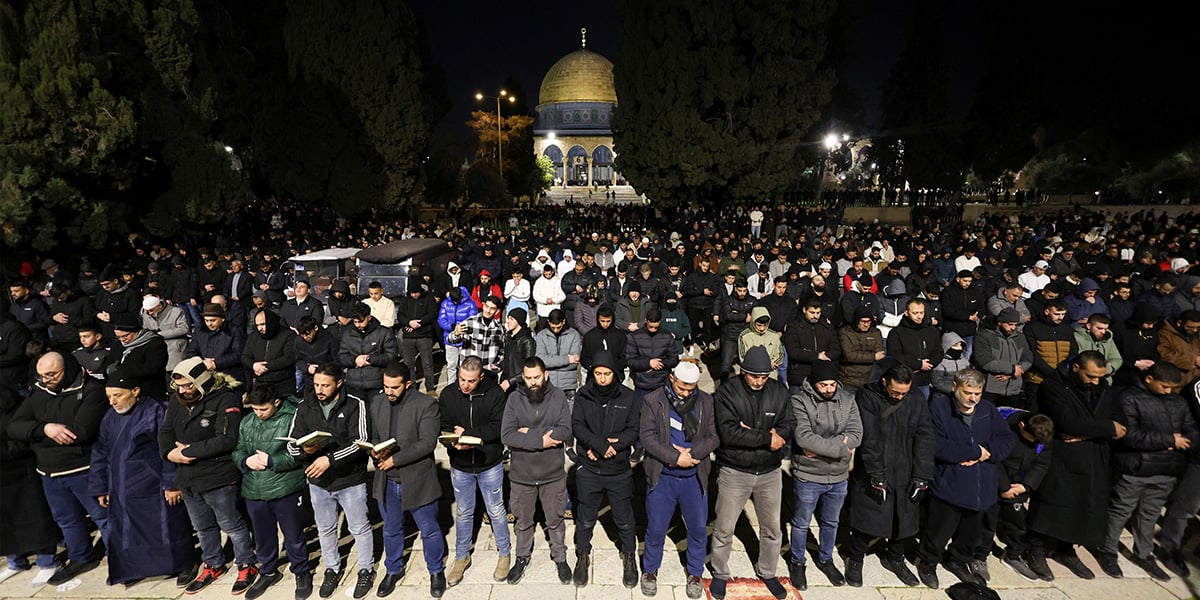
<point x="451" y="314"/>
<point x="283" y="475"/>
<point x="210" y="430"/>
<point x="1152" y="421"/>
<point x="224" y="345"/>
<point x="1050" y="344"/>
<point x="378" y="343"/>
<point x="748" y="450"/>
<point x="644" y="346"/>
<point x="821" y="425"/>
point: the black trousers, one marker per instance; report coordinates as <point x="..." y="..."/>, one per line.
<point x="856" y="547"/>
<point x="703" y="329"/>
<point x="590" y="488"/>
<point x="944" y="522"/>
<point x="1006" y="522"/>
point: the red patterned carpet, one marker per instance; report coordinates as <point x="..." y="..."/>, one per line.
<point x="748" y="588"/>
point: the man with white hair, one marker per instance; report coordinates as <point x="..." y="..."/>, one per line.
<point x="170" y="323"/>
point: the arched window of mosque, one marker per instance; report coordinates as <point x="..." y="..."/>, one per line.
<point x="554" y="153"/>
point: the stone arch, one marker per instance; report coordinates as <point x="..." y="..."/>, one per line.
<point x="577" y="166"/>
<point x="555" y="154"/>
<point x="602" y="165"/>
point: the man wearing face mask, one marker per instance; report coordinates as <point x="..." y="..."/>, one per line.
<point x="1072" y="505"/>
<point x="604" y="421"/>
<point x="892" y="474"/>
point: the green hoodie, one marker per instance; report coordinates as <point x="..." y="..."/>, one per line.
<point x="1106" y="346"/>
<point x="769" y="339"/>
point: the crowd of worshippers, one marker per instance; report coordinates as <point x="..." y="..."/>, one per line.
<point x="1013" y="393"/>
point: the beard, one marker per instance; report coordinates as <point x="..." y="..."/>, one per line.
<point x="537" y="395"/>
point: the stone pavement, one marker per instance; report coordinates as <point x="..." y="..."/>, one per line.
<point x="541" y="582"/>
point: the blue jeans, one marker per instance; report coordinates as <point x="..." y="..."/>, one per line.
<point x="45" y="560"/>
<point x="71" y="504"/>
<point x="829" y="497"/>
<point x="353" y="501"/>
<point x="686" y="493"/>
<point x="212" y="512"/>
<point x="426" y="517"/>
<point x="490" y="483"/>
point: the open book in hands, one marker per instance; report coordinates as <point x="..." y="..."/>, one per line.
<point x="384" y="446"/>
<point x="312" y="439"/>
<point x="450" y="437"/>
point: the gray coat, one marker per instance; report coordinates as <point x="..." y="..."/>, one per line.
<point x="171" y="324"/>
<point x="996" y="354"/>
<point x="820" y="426"/>
<point x="531" y="463"/>
<point x="415" y="422"/>
<point x="554" y="350"/>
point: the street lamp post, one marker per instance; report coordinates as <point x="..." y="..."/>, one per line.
<point x="479" y="96"/>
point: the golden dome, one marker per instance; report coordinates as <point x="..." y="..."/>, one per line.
<point x="581" y="76"/>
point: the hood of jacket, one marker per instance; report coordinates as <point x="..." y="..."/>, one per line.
<point x="758" y="312"/>
<point x="272" y="324"/>
<point x="895" y="288"/>
<point x="949" y="339"/>
<point x="1087" y="284"/>
<point x="340" y="285"/>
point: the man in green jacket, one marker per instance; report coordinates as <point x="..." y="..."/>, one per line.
<point x="1096" y="335"/>
<point x="273" y="484"/>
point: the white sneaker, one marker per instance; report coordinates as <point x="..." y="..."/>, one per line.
<point x="43" y="576"/>
<point x="9" y="573"/>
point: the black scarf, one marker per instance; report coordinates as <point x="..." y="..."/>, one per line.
<point x="684" y="406"/>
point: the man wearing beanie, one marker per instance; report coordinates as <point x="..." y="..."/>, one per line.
<point x="678" y="431"/>
<point x="754" y="422"/>
<point x="149" y="534"/>
<point x="1003" y="355"/>
<point x="198" y="434"/>
<point x="170" y="323"/>
<point x="828" y="429"/>
<point x="143" y="353"/>
<point x="604" y="421"/>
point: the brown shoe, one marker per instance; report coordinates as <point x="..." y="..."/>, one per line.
<point x="457" y="569"/>
<point x="502" y="566"/>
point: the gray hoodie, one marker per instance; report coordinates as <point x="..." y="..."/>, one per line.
<point x="820" y="426"/>
<point x="531" y="463"/>
<point x="554" y="350"/>
<point x="942" y="376"/>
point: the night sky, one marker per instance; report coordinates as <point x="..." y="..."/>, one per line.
<point x="1118" y="59"/>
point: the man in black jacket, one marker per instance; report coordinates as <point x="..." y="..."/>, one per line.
<point x="1148" y="462"/>
<point x="315" y="346"/>
<point x="605" y="421"/>
<point x="198" y="434"/>
<point x="337" y="473"/>
<point x="416" y="317"/>
<point x="474" y="406"/>
<point x="754" y="421"/>
<point x="916" y="344"/>
<point x="963" y="307"/>
<point x="700" y="289"/>
<point x="142" y="353"/>
<point x="605" y="337"/>
<point x="270" y="354"/>
<point x="218" y="343"/>
<point x="650" y="355"/>
<point x="61" y="420"/>
<point x="365" y="348"/>
<point x="807" y="339"/>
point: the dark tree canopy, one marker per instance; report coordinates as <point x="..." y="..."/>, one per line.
<point x="717" y="98"/>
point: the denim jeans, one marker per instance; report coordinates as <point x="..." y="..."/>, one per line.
<point x="426" y="518"/>
<point x="811" y="496"/>
<point x="71" y="504"/>
<point x="212" y="512"/>
<point x="45" y="560"/>
<point x="490" y="483"/>
<point x="353" y="501"/>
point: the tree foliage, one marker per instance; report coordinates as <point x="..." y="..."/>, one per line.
<point x="716" y="99"/>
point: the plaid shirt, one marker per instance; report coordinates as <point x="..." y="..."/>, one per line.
<point x="484" y="338"/>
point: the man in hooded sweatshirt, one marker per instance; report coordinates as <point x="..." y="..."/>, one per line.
<point x="1085" y="301"/>
<point x="536" y="427"/>
<point x="733" y="317"/>
<point x="270" y="354"/>
<point x="416" y="317"/>
<point x="605" y="421"/>
<point x="1094" y="334"/>
<point x="758" y="332"/>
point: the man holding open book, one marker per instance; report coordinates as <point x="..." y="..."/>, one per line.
<point x="404" y="433"/>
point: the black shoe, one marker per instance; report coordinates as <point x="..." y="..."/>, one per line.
<point x="517" y="571"/>
<point x="304" y="585"/>
<point x="184" y="578"/>
<point x="1108" y="564"/>
<point x="564" y="572"/>
<point x="1150" y="566"/>
<point x="330" y="583"/>
<point x="629" y="577"/>
<point x="797" y="576"/>
<point x="247" y="575"/>
<point x="1022" y="569"/>
<point x="900" y="570"/>
<point x="582" y="561"/>
<point x="979" y="569"/>
<point x="1174" y="561"/>
<point x="207" y="576"/>
<point x="388" y="584"/>
<point x="1037" y="563"/>
<point x="437" y="584"/>
<point x="260" y="585"/>
<point x="71" y="570"/>
<point x="362" y="587"/>
<point x="854" y="572"/>
<point x="776" y="588"/>
<point x="1073" y="564"/>
<point x="927" y="572"/>
<point x="963" y="572"/>
<point x="831" y="572"/>
<point x="637" y="455"/>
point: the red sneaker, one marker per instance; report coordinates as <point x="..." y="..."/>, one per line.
<point x="246" y="576"/>
<point x="207" y="575"/>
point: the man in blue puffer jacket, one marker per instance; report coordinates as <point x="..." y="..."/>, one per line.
<point x="972" y="440"/>
<point x="456" y="307"/>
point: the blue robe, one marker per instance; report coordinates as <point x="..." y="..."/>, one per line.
<point x="146" y="537"/>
